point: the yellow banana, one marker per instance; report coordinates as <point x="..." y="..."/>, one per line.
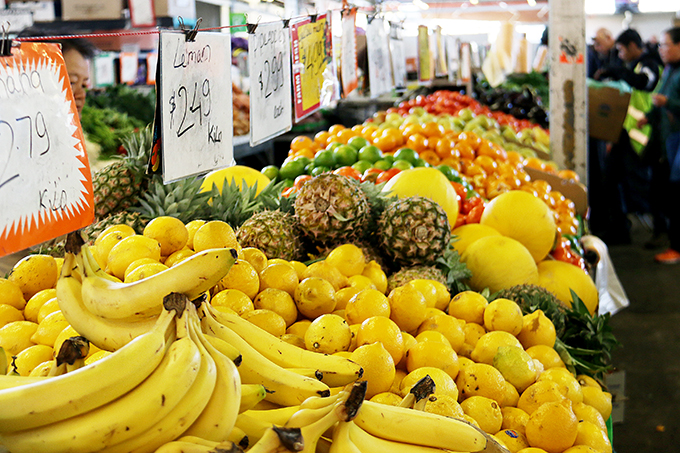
<point x="316" y="402"/>
<point x="341" y="441"/>
<point x="104" y="333"/>
<point x="87" y="388"/>
<point x="284" y="387"/>
<point x="239" y="437"/>
<point x="188" y="446"/>
<point x="304" y="417"/>
<point x="367" y="443"/>
<point x="404" y="425"/>
<point x="218" y="418"/>
<point x="144" y="298"/>
<point x="251" y="394"/>
<point x="4" y="364"/>
<point x="8" y="381"/>
<point x="273" y="416"/>
<point x="254" y="428"/>
<point x="270" y="441"/>
<point x="337" y="371"/>
<point x="124" y="418"/>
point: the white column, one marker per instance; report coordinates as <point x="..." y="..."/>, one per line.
<point x="568" y="104"/>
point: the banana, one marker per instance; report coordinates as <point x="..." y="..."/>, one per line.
<point x="404" y="425"/>
<point x="317" y="402"/>
<point x="190" y="446"/>
<point x="144" y="298"/>
<point x="87" y="388"/>
<point x="104" y="333"/>
<point x="126" y="417"/>
<point x="308" y="372"/>
<point x="251" y="394"/>
<point x="4" y="364"/>
<point x="218" y="418"/>
<point x="254" y="428"/>
<point x="182" y="416"/>
<point x="273" y="416"/>
<point x="304" y="417"/>
<point x="270" y="441"/>
<point x="341" y="441"/>
<point x="336" y="371"/>
<point x="10" y="381"/>
<point x="239" y="437"/>
<point x="284" y="387"/>
<point x="367" y="443"/>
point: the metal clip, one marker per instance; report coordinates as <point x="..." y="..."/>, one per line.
<point x="190" y="35"/>
<point x="286" y="22"/>
<point x="250" y="28"/>
<point x="5" y="42"/>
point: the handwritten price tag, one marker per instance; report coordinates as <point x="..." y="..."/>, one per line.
<point x="398" y="55"/>
<point x="312" y="53"/>
<point x="379" y="67"/>
<point x="270" y="97"/>
<point x="196" y="105"/>
<point x="348" y="65"/>
<point x="424" y="55"/>
<point x="45" y="179"/>
<point x="441" y="54"/>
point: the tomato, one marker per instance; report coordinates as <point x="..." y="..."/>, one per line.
<point x="371" y="174"/>
<point x="288" y="191"/>
<point x="301" y="180"/>
<point x="348" y="172"/>
<point x="460" y="220"/>
<point x="387" y="175"/>
<point x="470" y="203"/>
<point x="475" y="214"/>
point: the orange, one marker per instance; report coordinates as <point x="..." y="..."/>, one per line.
<point x="321" y="138"/>
<point x="416" y="142"/>
<point x="300" y="142"/>
<point x="433" y="129"/>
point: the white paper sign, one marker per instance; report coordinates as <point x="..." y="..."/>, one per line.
<point x="104" y="69"/>
<point x="379" y="68"/>
<point x="196" y="103"/>
<point x="453" y="57"/>
<point x="397" y="56"/>
<point x="271" y="104"/>
<point x="348" y="60"/>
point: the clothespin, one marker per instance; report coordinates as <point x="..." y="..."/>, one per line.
<point x="313" y="17"/>
<point x="190" y="35"/>
<point x="370" y="17"/>
<point x="252" y="27"/>
<point x="286" y="22"/>
<point x="5" y="42"/>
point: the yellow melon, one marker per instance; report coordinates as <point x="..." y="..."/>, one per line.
<point x="525" y="218"/>
<point x="467" y="234"/>
<point x="499" y="262"/>
<point x="425" y="182"/>
<point x="559" y="277"/>
<point x="238" y="173"/>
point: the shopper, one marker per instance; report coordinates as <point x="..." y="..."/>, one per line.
<point x="602" y="53"/>
<point x="665" y="118"/>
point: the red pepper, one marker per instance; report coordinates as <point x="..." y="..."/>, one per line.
<point x="387" y="175"/>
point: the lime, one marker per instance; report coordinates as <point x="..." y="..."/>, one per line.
<point x="402" y="164"/>
<point x="292" y="169"/>
<point x="309" y="167"/>
<point x="316" y="171"/>
<point x="324" y="158"/>
<point x="370" y="153"/>
<point x="304" y="159"/>
<point x="382" y="164"/>
<point x="389" y="158"/>
<point x="420" y="162"/>
<point x="449" y="172"/>
<point x="344" y="155"/>
<point x="407" y="154"/>
<point x="331" y="146"/>
<point x="358" y="142"/>
<point x="362" y="165"/>
<point x="288" y="182"/>
<point x="270" y="171"/>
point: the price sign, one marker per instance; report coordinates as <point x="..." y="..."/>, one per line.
<point x="348" y="62"/>
<point x="195" y="103"/>
<point x="379" y="68"/>
<point x="312" y="54"/>
<point x="424" y="56"/>
<point x="441" y="55"/>
<point x="398" y="56"/>
<point x="453" y="57"/>
<point x="269" y="67"/>
<point x="45" y="179"/>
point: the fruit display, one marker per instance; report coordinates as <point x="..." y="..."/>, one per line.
<point x="241" y="111"/>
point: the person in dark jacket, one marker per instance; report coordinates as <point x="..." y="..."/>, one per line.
<point x="665" y="118"/>
<point x="602" y="53"/>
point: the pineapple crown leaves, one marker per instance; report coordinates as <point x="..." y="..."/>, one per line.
<point x="271" y="198"/>
<point x="138" y="146"/>
<point x="454" y="269"/>
<point x="181" y="199"/>
<point x="235" y="204"/>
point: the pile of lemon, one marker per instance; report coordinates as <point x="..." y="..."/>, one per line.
<point x="492" y="366"/>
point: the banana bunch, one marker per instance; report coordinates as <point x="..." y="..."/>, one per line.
<point x="192" y="444"/>
<point x="163" y="384"/>
<point x="110" y="313"/>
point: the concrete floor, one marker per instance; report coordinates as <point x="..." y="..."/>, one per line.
<point x="649" y="330"/>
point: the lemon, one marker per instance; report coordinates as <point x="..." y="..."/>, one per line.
<point x="130" y="249"/>
<point x="10" y="294"/>
<point x="537" y="329"/>
<point x="511" y="396"/>
<point x="433" y="354"/>
<point x="330" y="273"/>
<point x="564" y="377"/>
<point x="373" y="271"/>
<point x="467" y="234"/>
<point x="389" y="398"/>
<point x="97" y="356"/>
<point x="539" y="393"/>
<point x="192" y="227"/>
<point x="170" y="233"/>
<point x="16" y="336"/>
<point x="575" y="449"/>
<point x="280" y="276"/>
<point x="409" y="341"/>
<point x="8" y="314"/>
<point x="488" y="345"/>
<point x="299" y="328"/>
<point x="299" y="267"/>
<point x="355" y="332"/>
<point x="444" y="405"/>
<point x="34" y="303"/>
<point x="384" y="330"/>
<point x="48" y="308"/>
<point x="548" y="357"/>
<point x="34" y="273"/>
<point x="267" y="320"/>
<point x="399" y="376"/>
<point x="367" y="303"/>
<point x="587" y="381"/>
<point x="344" y="295"/>
<point x="67" y="332"/>
<point x="60" y="264"/>
<point x="144" y="271"/>
<point x="535" y="450"/>
<point x="136" y="263"/>
<point x="50" y="328"/>
<point x="378" y="367"/>
<point x="348" y="259"/>
<point x="560" y="278"/>
<point x="473" y="332"/>
<point x="215" y="234"/>
<point x="514" y="418"/>
<point x="294" y="340"/>
<point x="407" y="308"/>
<point x="178" y="256"/>
<point x="31" y="357"/>
<point x="328" y="334"/>
<point x="448" y="326"/>
<point x="121" y="228"/>
<point x="444" y="384"/>
<point x="103" y="248"/>
<point x="602" y="401"/>
<point x="468" y="306"/>
<point x="552" y="427"/>
<point x="511" y="439"/>
<point x="480" y="379"/>
<point x="431" y="312"/>
<point x="588" y="413"/>
<point x="42" y="369"/>
<point x="432" y="335"/>
<point x="360" y="282"/>
<point x="503" y="314"/>
<point x="244" y="277"/>
<point x="256" y="258"/>
<point x="314" y="297"/>
<point x="427" y="289"/>
<point x="235" y="300"/>
<point x="485" y="411"/>
<point x="279" y="302"/>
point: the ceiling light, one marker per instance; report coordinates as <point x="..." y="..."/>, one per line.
<point x="531" y="2"/>
<point x="421" y="4"/>
<point x="474" y="2"/>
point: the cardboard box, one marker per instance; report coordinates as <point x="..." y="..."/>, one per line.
<point x="575" y="191"/>
<point x="607" y="109"/>
<point x="91" y="9"/>
<point x="175" y="8"/>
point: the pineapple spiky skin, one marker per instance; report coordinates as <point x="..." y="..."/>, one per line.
<point x="332" y="209"/>
<point x="273" y="232"/>
<point x="407" y="274"/>
<point x="414" y="231"/>
<point x="129" y="218"/>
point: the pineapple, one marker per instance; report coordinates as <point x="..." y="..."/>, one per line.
<point x="132" y="219"/>
<point x="413" y="231"/>
<point x="332" y="209"/>
<point x="182" y="199"/>
<point x="273" y="232"/>
<point x="118" y="185"/>
<point x="532" y="297"/>
<point x="406" y="274"/>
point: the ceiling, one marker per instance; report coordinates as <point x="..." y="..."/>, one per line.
<point x="493" y="10"/>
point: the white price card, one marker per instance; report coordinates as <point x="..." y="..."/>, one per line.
<point x="440" y="62"/>
<point x="377" y="48"/>
<point x="271" y="101"/>
<point x="195" y="104"/>
<point x="348" y="60"/>
<point x="45" y="179"/>
<point x="453" y="57"/>
<point x="397" y="55"/>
